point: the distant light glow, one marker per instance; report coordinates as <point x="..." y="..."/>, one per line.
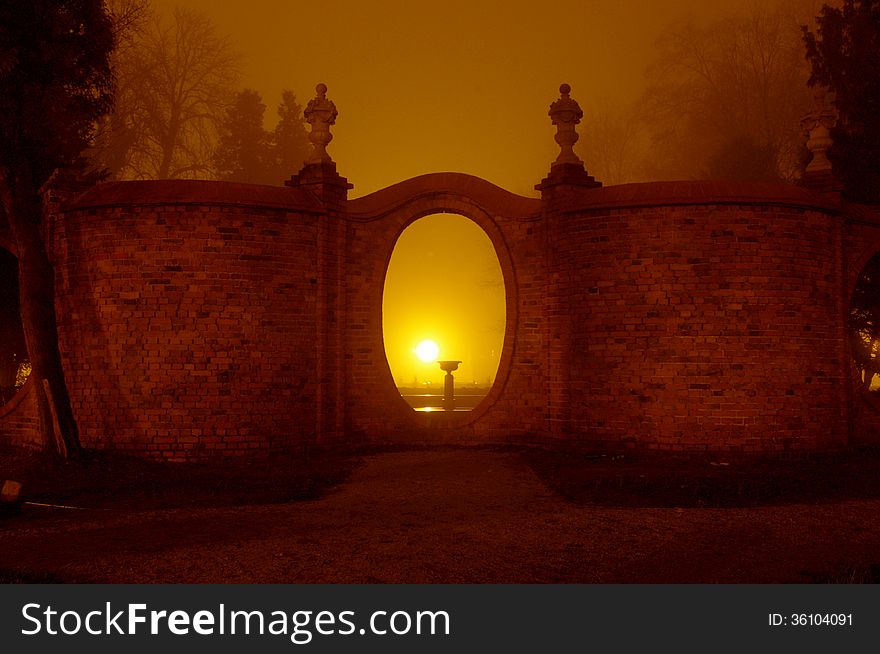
<point x="427" y="351"/>
<point x="443" y="284"/>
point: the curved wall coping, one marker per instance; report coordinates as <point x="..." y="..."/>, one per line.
<point x="658" y="194"/>
<point x="485" y="194"/>
<point x="196" y="192"/>
<point x="865" y="214"/>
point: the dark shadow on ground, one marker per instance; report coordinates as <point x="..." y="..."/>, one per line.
<point x="106" y="480"/>
<point x="407" y="515"/>
<point x="102" y="480"/>
<point x="666" y="481"/>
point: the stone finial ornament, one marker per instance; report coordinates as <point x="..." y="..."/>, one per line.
<point x="566" y="113"/>
<point x="320" y="113"/>
<point x="818" y="124"/>
<point x="318" y="174"/>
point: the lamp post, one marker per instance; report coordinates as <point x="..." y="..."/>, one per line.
<point x="448" y="384"/>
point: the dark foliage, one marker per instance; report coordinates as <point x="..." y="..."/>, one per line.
<point x="246" y="152"/>
<point x="725" y="98"/>
<point x="845" y="57"/>
<point x="55" y="82"/>
<point x="290" y="139"/>
<point x="243" y="149"/>
<point x="864" y="321"/>
<point x="740" y="158"/>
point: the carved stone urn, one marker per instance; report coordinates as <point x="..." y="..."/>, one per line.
<point x="320" y="113"/>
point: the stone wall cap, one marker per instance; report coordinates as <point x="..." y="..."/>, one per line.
<point x="492" y="198"/>
<point x="659" y="194"/>
<point x="195" y="192"/>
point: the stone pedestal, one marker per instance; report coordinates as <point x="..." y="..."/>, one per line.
<point x="323" y="181"/>
<point x="568" y="170"/>
<point x="568" y="174"/>
<point x="449" y="384"/>
<point x="318" y="174"/>
<point x="822" y="181"/>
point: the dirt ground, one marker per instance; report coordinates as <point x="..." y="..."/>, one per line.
<point x="447" y="516"/>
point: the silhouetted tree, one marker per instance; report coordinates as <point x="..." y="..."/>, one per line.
<point x="290" y="140"/>
<point x="845" y="58"/>
<point x="613" y="144"/>
<point x="177" y="80"/>
<point x="864" y="322"/>
<point x="741" y="159"/>
<point x="743" y="77"/>
<point x="55" y="83"/>
<point x="243" y="152"/>
<point x="246" y="152"/>
<point x="117" y="132"/>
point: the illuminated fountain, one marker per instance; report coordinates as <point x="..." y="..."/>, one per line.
<point x="448" y="384"/>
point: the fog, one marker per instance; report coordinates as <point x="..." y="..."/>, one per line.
<point x="670" y="90"/>
<point x="460" y="85"/>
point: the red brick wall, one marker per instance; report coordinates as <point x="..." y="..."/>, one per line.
<point x="514" y="408"/>
<point x="203" y="318"/>
<point x="683" y="316"/>
<point x="703" y="327"/>
<point x="188" y="317"/>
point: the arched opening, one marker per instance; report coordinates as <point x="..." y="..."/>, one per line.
<point x="15" y="367"/>
<point x="444" y="300"/>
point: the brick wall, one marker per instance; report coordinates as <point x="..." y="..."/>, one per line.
<point x="702" y="326"/>
<point x="204" y="318"/>
<point x="682" y="316"/>
<point x="515" y="406"/>
<point x="188" y="317"/>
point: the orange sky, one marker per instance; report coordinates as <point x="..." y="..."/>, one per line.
<point x="451" y="294"/>
<point x="460" y="85"/>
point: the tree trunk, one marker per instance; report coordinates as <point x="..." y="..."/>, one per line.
<point x="36" y="277"/>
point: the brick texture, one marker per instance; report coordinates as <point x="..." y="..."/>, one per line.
<point x="188" y="328"/>
<point x="200" y="319"/>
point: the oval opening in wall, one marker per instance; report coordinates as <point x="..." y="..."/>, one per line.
<point x="444" y="302"/>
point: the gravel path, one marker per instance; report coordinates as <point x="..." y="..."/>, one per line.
<point x="445" y="517"/>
